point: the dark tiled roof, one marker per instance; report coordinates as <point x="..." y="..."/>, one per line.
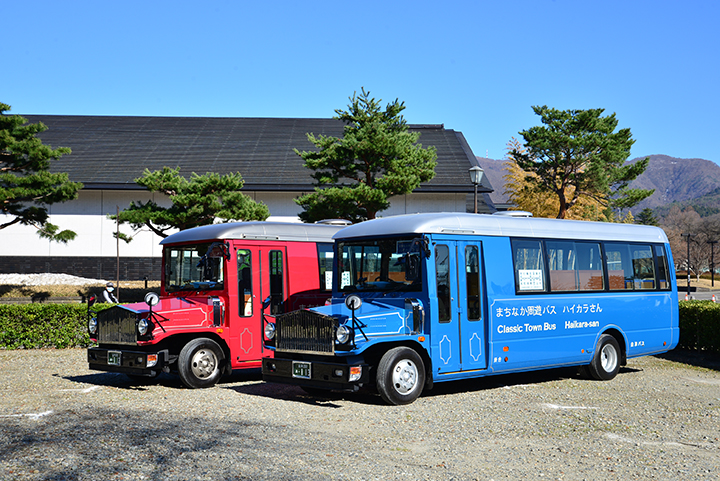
<point x="109" y="152"/>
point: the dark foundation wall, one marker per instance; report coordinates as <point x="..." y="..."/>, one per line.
<point x="131" y="268"/>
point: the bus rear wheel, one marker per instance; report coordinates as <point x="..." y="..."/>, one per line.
<point x="606" y="360"/>
<point x="199" y="363"/>
<point x="400" y="376"/>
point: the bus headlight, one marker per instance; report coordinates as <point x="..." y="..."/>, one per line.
<point x="93" y="325"/>
<point x="143" y="326"/>
<point x="269" y="331"/>
<point x="342" y="335"/>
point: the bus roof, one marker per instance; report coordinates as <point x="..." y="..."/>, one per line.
<point x="501" y="225"/>
<point x="283" y="231"/>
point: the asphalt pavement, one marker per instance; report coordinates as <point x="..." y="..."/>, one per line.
<point x="703" y="295"/>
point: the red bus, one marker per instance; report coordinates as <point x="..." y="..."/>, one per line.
<point x="207" y="319"/>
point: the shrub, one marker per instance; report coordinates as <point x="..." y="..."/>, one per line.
<point x="700" y="326"/>
<point x="32" y="326"/>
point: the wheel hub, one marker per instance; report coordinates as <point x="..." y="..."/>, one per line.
<point x="608" y="358"/>
<point x="405" y="376"/>
<point x="203" y="363"/>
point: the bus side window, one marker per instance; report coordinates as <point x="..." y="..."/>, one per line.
<point x="277" y="282"/>
<point x="442" y="273"/>
<point x="472" y="282"/>
<point x="529" y="266"/>
<point x="562" y="263"/>
<point x="325" y="260"/>
<point x="575" y="266"/>
<point x="618" y="267"/>
<point x="244" y="265"/>
<point x="630" y="266"/>
<point x="663" y="278"/>
<point x="643" y="267"/>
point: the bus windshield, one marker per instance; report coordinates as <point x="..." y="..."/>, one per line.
<point x="194" y="267"/>
<point x="387" y="264"/>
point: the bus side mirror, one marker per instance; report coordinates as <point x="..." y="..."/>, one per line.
<point x="412" y="267"/>
<point x="266" y="303"/>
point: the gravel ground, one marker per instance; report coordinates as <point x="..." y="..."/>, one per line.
<point x="659" y="419"/>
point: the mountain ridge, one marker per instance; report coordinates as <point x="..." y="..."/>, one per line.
<point x="674" y="180"/>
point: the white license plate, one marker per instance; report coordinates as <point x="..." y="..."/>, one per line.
<point x="114" y="358"/>
<point x="302" y="370"/>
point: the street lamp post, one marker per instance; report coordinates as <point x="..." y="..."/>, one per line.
<point x="712" y="262"/>
<point x="476" y="175"/>
<point x="688" y="235"/>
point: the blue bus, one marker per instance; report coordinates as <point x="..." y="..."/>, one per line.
<point x="426" y="298"/>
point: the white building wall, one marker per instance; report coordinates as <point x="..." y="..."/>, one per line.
<point x="87" y="216"/>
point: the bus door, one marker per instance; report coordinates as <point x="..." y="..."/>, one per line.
<point x="261" y="273"/>
<point x="458" y="330"/>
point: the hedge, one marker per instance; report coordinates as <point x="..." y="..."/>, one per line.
<point x="33" y="326"/>
<point x="700" y="326"/>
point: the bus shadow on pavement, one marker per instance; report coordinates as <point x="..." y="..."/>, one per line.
<point x="289" y="392"/>
<point x="501" y="381"/>
<point x="171" y="380"/>
<point x="708" y="360"/>
<point x="121" y="381"/>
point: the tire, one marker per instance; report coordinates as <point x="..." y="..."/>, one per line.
<point x="606" y="360"/>
<point x="400" y="376"/>
<point x="199" y="364"/>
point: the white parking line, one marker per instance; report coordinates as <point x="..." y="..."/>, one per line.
<point x="34" y="416"/>
<point x="86" y="390"/>
<point x="715" y="382"/>
<point x="556" y="406"/>
<point x="617" y="437"/>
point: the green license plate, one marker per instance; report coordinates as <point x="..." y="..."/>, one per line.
<point x="301" y="369"/>
<point x="114" y="358"/>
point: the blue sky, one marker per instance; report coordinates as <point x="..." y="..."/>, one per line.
<point x="474" y="66"/>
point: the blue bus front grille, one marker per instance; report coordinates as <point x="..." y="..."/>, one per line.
<point x="305" y="332"/>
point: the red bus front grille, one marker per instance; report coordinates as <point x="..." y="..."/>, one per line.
<point x="117" y="326"/>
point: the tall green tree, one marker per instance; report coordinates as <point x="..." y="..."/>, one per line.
<point x="196" y="201"/>
<point x="27" y="187"/>
<point x="646" y="217"/>
<point x="377" y="158"/>
<point x="578" y="153"/>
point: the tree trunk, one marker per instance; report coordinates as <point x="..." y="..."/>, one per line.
<point x="563" y="204"/>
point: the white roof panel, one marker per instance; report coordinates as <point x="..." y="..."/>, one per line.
<point x="288" y="231"/>
<point x="505" y="226"/>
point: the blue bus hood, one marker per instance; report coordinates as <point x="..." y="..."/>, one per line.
<point x="376" y="317"/>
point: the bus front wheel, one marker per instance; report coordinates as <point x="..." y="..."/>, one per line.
<point x="199" y="363"/>
<point x="400" y="376"/>
<point x="606" y="360"/>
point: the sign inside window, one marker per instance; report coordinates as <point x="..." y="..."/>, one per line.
<point x="530" y="280"/>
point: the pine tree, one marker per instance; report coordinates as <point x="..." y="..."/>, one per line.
<point x="376" y="158"/>
<point x="27" y="187"/>
<point x="646" y="217"/>
<point x="577" y="154"/>
<point x="526" y="196"/>
<point x="195" y="202"/>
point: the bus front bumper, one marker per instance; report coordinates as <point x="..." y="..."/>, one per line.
<point x="314" y="374"/>
<point x="138" y="363"/>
